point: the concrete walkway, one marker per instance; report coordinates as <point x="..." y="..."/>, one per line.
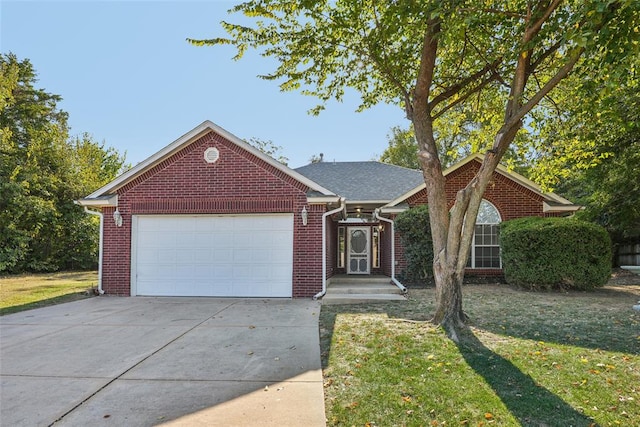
<point x="162" y="361"/>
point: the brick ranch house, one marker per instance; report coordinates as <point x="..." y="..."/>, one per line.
<point x="210" y="215"/>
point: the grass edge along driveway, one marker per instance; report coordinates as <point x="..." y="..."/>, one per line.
<point x="532" y="359"/>
<point x="27" y="291"/>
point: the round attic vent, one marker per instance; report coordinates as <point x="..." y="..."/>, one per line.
<point x="211" y="155"/>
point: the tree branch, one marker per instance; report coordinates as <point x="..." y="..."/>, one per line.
<point x="456" y="88"/>
<point x="552" y="49"/>
<point x="427" y="65"/>
<point x="477" y="89"/>
<point x="535" y="28"/>
<point x="537" y="97"/>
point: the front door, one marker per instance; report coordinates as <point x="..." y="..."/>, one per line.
<point x="358" y="244"/>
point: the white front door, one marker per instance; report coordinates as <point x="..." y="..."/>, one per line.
<point x="358" y="245"/>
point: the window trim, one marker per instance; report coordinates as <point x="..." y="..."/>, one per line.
<point x="341" y="251"/>
<point x="375" y="247"/>
<point x="471" y="263"/>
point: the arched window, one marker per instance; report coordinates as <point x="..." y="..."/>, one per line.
<point x="485" y="247"/>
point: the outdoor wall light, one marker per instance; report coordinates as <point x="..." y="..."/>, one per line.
<point x="381" y="227"/>
<point x="117" y="218"/>
<point x="304" y="215"/>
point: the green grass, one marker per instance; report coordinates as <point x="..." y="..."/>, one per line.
<point x="28" y="291"/>
<point x="531" y="359"/>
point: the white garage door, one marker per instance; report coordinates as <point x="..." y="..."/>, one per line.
<point x="230" y="256"/>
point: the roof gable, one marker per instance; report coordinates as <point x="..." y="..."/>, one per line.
<point x="368" y="181"/>
<point x="184" y="141"/>
<point x="548" y="198"/>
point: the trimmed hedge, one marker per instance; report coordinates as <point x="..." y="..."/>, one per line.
<point x="415" y="235"/>
<point x="555" y="253"/>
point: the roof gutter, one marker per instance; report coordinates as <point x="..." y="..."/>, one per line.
<point x="342" y="207"/>
<point x="376" y="214"/>
<point x="101" y="215"/>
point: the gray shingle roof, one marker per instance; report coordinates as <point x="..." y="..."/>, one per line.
<point x="363" y="180"/>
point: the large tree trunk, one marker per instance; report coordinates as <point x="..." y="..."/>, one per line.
<point x="452" y="227"/>
<point x="449" y="313"/>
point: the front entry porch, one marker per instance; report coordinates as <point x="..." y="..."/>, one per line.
<point x="356" y="289"/>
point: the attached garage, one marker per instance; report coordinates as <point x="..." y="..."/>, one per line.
<point x="210" y="215"/>
<point x="212" y="255"/>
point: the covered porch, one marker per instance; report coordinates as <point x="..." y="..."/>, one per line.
<point x="361" y="257"/>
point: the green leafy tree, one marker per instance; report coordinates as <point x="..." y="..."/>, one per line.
<point x="316" y="158"/>
<point x="402" y="149"/>
<point x="595" y="159"/>
<point x="431" y="57"/>
<point x="270" y="149"/>
<point x="41" y="174"/>
<point x="92" y="165"/>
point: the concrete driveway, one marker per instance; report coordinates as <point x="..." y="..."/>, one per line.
<point x="162" y="361"/>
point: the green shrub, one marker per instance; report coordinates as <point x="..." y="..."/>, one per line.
<point x="555" y="253"/>
<point x="415" y="235"/>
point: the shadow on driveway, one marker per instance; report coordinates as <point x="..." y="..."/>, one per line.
<point x="151" y="361"/>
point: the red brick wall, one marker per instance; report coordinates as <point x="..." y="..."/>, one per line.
<point x="238" y="182"/>
<point x="510" y="198"/>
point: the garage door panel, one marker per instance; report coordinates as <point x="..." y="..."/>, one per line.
<point x="221" y="256"/>
<point x="223" y="239"/>
<point x="185" y="256"/>
<point x="260" y="256"/>
<point x="164" y="256"/>
<point x="202" y="239"/>
<point x="222" y="273"/>
<point x="279" y="238"/>
<point x="248" y="256"/>
<point x="204" y="255"/>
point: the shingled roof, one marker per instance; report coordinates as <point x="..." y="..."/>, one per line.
<point x="363" y="181"/>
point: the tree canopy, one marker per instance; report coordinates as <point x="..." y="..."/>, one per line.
<point x="496" y="61"/>
<point x="589" y="150"/>
<point x="42" y="172"/>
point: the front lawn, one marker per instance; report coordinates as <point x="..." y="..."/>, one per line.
<point x="27" y="291"/>
<point x="532" y="359"/>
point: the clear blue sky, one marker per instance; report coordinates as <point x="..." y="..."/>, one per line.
<point x="128" y="77"/>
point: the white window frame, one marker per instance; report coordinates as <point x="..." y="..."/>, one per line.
<point x="471" y="263"/>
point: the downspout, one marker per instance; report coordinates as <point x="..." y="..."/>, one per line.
<point x="324" y="247"/>
<point x="89" y="211"/>
<point x="393" y="251"/>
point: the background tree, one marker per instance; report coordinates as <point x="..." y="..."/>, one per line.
<point x="269" y="148"/>
<point x="316" y="158"/>
<point x="402" y="149"/>
<point x="41" y="174"/>
<point x="431" y="57"/>
<point x="458" y="134"/>
<point x="590" y="151"/>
